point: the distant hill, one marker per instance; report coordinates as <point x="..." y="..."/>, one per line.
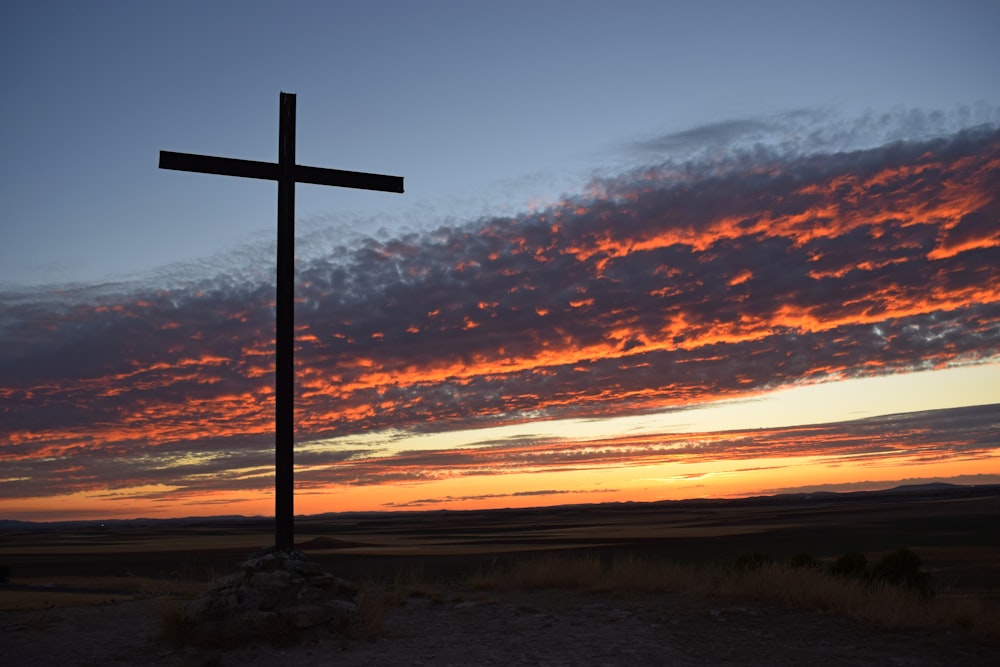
<point x="920" y="488"/>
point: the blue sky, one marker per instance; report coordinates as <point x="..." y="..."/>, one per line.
<point x="484" y="108"/>
<point x="646" y="250"/>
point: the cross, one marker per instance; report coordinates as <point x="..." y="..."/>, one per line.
<point x="287" y="173"/>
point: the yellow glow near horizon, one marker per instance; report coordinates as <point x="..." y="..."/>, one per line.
<point x="648" y="480"/>
<point x="820" y="403"/>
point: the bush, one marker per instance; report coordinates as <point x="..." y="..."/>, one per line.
<point x="752" y="561"/>
<point x="803" y="560"/>
<point x="902" y="568"/>
<point x="4" y="572"/>
<point x="853" y="564"/>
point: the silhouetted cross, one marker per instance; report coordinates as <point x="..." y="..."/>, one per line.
<point x="287" y="173"/>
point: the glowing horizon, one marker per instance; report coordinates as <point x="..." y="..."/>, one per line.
<point x="829" y="456"/>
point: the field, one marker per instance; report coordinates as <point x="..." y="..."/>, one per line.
<point x="466" y="564"/>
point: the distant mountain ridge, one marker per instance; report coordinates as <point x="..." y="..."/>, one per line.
<point x="929" y="487"/>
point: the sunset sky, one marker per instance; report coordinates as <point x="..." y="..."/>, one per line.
<point x="645" y="252"/>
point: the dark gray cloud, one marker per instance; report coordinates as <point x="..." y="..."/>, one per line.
<point x="929" y="436"/>
<point x="664" y="286"/>
<point x="435" y="502"/>
<point x="811" y="130"/>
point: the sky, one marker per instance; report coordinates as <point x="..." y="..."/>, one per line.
<point x="647" y="251"/>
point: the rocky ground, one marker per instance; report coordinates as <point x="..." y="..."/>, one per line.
<point x="502" y="628"/>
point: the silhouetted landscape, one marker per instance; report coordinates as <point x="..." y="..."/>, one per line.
<point x="953" y="527"/>
<point x="563" y="562"/>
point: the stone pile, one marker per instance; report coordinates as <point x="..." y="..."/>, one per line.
<point x="274" y="590"/>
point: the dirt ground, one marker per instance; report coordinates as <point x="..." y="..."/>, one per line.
<point x="952" y="530"/>
<point x="505" y="628"/>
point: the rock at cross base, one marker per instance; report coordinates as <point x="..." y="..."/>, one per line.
<point x="273" y="590"/>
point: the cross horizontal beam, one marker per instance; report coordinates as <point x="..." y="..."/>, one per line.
<point x="226" y="166"/>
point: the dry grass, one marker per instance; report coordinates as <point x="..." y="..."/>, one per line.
<point x="49" y="599"/>
<point x="374" y="605"/>
<point x="87" y="591"/>
<point x="809" y="588"/>
<point x="540" y="572"/>
<point x="414" y="582"/>
<point x="173" y="622"/>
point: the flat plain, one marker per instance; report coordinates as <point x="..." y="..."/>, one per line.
<point x="89" y="593"/>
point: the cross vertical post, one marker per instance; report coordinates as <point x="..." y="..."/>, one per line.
<point x="287" y="174"/>
<point x="284" y="335"/>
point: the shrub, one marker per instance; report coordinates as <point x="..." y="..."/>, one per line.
<point x="853" y="564"/>
<point x="803" y="560"/>
<point x="752" y="561"/>
<point x="902" y="568"/>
